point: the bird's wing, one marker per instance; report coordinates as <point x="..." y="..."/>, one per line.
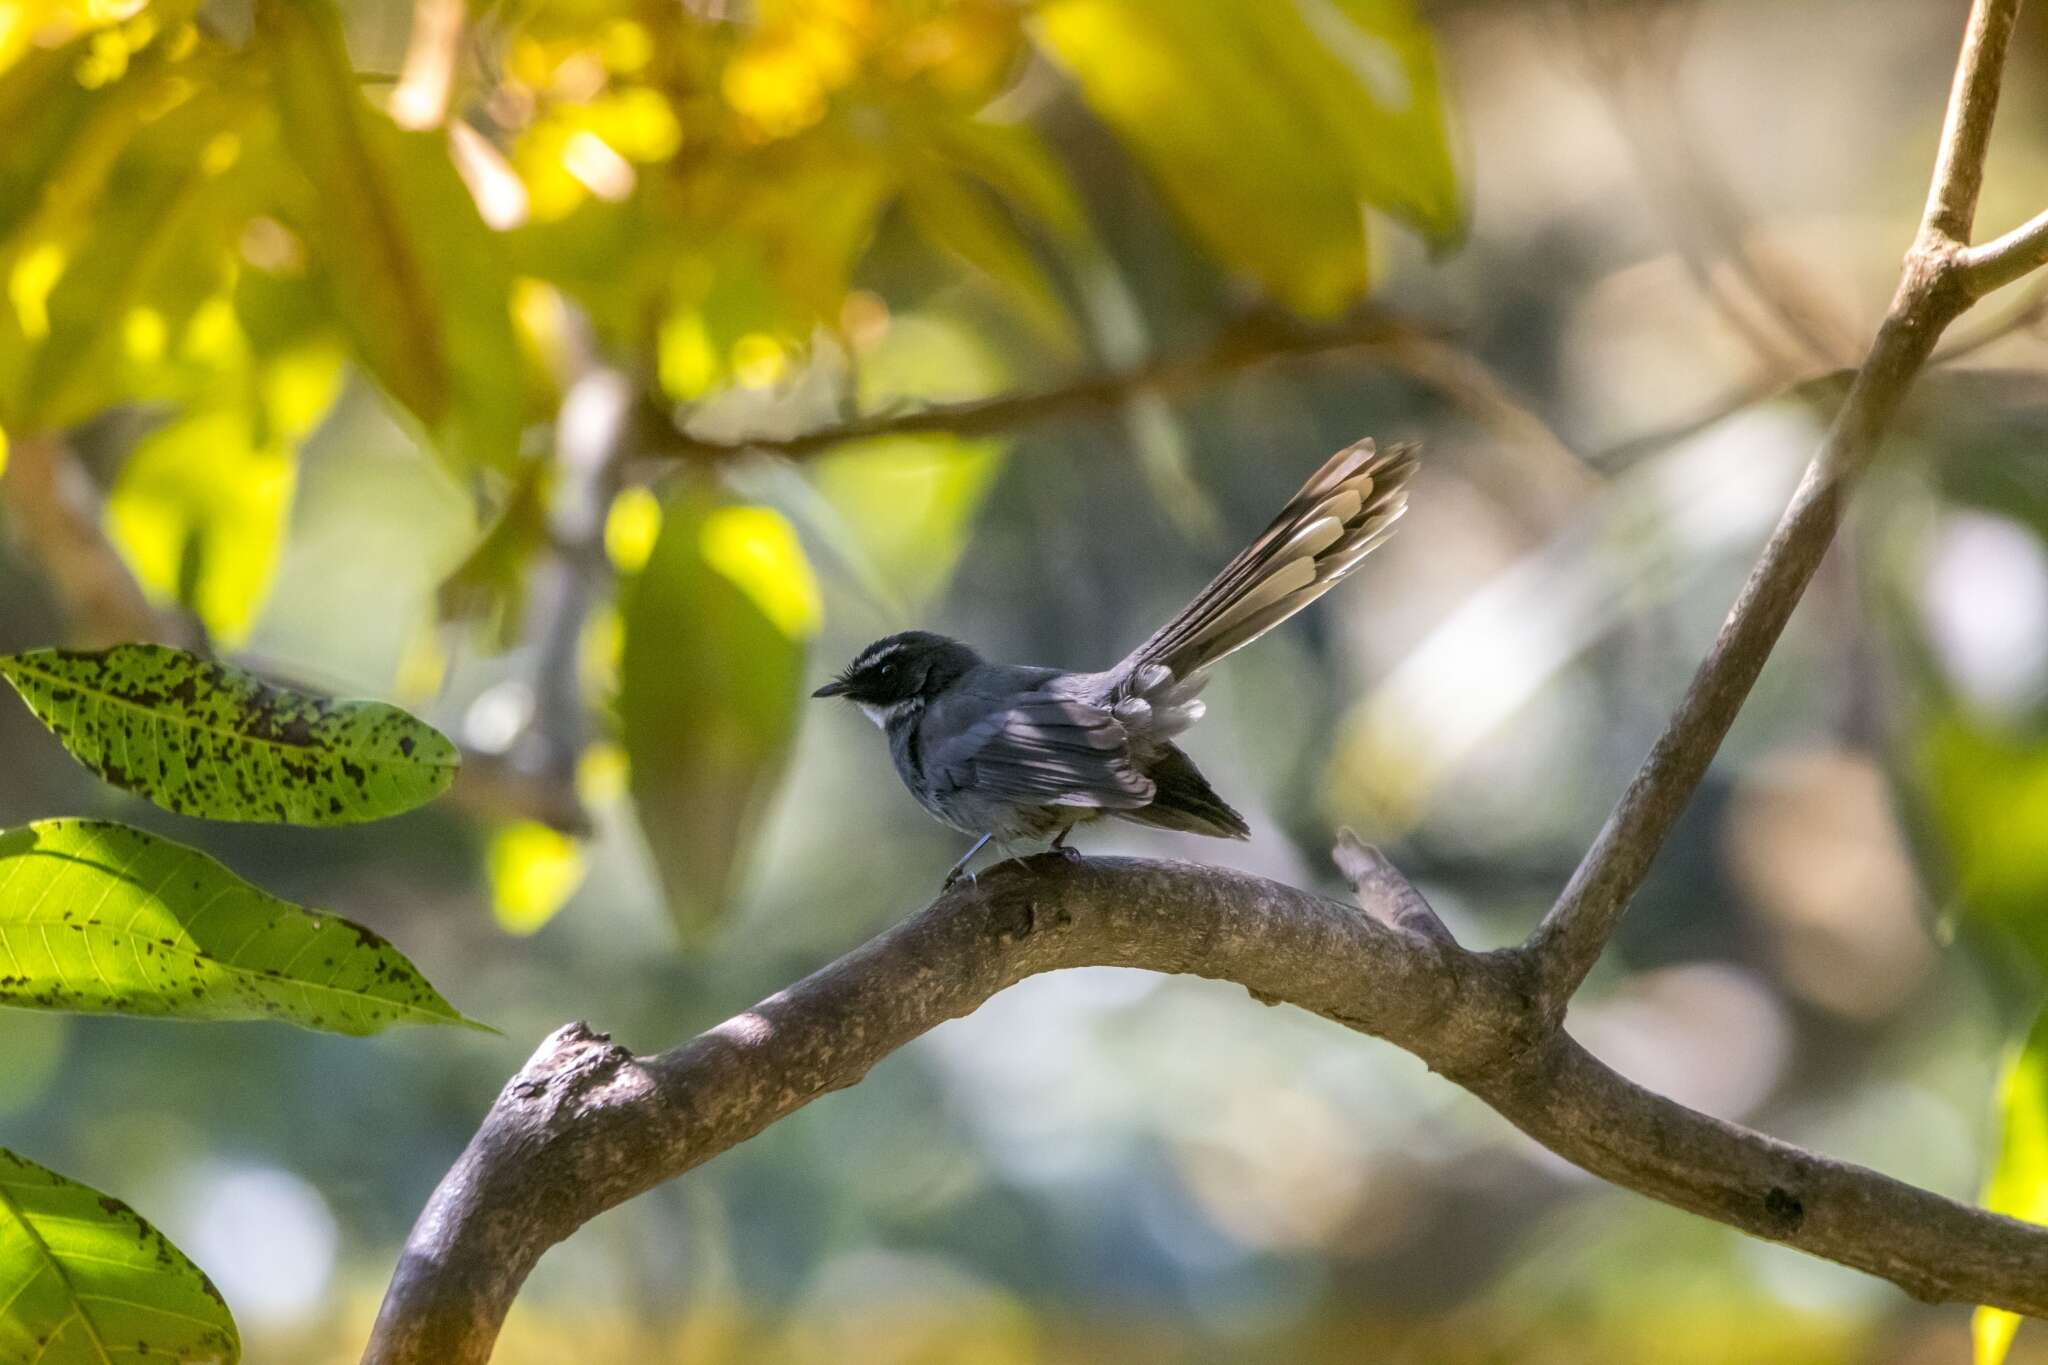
<point x="1045" y="750"/>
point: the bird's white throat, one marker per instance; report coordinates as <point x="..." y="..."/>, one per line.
<point x="882" y="715"/>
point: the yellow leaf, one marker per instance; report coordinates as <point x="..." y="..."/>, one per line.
<point x="757" y="550"/>
<point x="533" y="871"/>
<point x="909" y="503"/>
<point x="1991" y="1334"/>
<point x="1272" y="126"/>
<point x="200" y="507"/>
<point x="2019" y="1181"/>
<point x="630" y="528"/>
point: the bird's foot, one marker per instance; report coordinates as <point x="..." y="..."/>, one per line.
<point x="959" y="869"/>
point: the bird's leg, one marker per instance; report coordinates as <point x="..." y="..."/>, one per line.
<point x="960" y="867"/>
<point x="1065" y="850"/>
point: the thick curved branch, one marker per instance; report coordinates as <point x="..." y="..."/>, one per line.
<point x="1934" y="289"/>
<point x="586" y="1125"/>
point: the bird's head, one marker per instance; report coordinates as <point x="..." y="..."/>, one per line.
<point x="900" y="673"/>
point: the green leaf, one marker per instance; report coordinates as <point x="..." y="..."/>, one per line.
<point x="207" y="739"/>
<point x="418" y="281"/>
<point x="533" y="870"/>
<point x="489" y="586"/>
<point x="2019" y="1182"/>
<point x="1985" y="790"/>
<point x="100" y="918"/>
<point x="128" y="242"/>
<point x="200" y="508"/>
<point x="84" y="1278"/>
<point x="1270" y="125"/>
<point x="967" y="220"/>
<point x="907" y="504"/>
<point x="710" y="681"/>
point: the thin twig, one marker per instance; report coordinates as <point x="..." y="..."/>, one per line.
<point x="1634" y="69"/>
<point x="1243" y="347"/>
<point x="1424" y="357"/>
<point x="1932" y="292"/>
<point x="2002" y="260"/>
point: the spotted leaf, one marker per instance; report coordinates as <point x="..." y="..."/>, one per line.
<point x="103" y="919"/>
<point x="83" y="1277"/>
<point x="204" y="738"/>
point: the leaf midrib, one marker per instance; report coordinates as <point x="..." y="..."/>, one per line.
<point x="199" y="955"/>
<point x="13" y="1210"/>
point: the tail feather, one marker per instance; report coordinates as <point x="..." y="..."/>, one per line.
<point x="1184" y="800"/>
<point x="1344" y="510"/>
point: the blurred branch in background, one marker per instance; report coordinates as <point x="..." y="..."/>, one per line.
<point x="1632" y="52"/>
<point x="1430" y="360"/>
<point x="427" y="80"/>
<point x="1824" y="392"/>
<point x="586" y="1125"/>
<point x="53" y="510"/>
<point x="1936" y="288"/>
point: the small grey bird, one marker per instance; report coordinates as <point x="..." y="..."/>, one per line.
<point x="1011" y="752"/>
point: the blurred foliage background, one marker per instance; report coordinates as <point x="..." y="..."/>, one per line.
<point x="583" y="375"/>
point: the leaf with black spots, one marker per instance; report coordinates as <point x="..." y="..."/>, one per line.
<point x="84" y="1278"/>
<point x="100" y="918"/>
<point x="207" y="739"/>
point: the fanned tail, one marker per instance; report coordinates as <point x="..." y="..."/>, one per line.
<point x="1345" y="509"/>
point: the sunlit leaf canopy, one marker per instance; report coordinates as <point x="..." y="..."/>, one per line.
<point x="212" y="215"/>
<point x="705" y="189"/>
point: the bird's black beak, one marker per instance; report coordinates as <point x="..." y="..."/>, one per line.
<point x="831" y="689"/>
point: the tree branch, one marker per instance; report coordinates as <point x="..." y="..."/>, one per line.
<point x="1253" y="342"/>
<point x="1424" y="357"/>
<point x="1934" y="289"/>
<point x="1958" y="177"/>
<point x="2002" y="260"/>
<point x="586" y="1125"/>
<point x="53" y="510"/>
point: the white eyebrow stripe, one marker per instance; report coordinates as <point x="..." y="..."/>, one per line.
<point x="875" y="654"/>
